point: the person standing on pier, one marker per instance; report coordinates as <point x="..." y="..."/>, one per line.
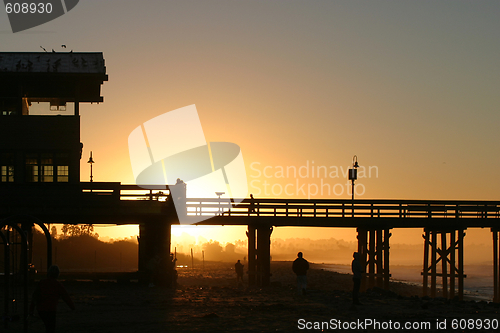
<point x="251" y="207"/>
<point x="300" y="267"/>
<point x="357" y="272"/>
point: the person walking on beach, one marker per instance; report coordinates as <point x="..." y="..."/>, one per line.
<point x="300" y="267"/>
<point x="238" y="268"/>
<point x="357" y="272"/>
<point x="46" y="296"/>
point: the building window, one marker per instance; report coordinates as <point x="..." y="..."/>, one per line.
<point x="62" y="162"/>
<point x="47" y="173"/>
<point x="6" y="168"/>
<point x="8" y="113"/>
<point x="62" y="173"/>
<point x="32" y="168"/>
<point x="47" y="168"/>
<point x="7" y="173"/>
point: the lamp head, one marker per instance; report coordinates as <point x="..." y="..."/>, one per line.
<point x="91" y="160"/>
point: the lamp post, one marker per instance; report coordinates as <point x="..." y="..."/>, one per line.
<point x="220" y="212"/>
<point x="91" y="161"/>
<point x="353" y="173"/>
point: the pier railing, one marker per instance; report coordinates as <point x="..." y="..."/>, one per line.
<point x="316" y="208"/>
<point x="117" y="191"/>
<point x="324" y="208"/>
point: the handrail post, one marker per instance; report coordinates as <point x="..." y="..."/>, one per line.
<point x="116" y="193"/>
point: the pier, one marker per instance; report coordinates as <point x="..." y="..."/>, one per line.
<point x="40" y="183"/>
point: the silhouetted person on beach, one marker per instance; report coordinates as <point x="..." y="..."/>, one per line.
<point x="251" y="207"/>
<point x="46" y="296"/>
<point x="357" y="272"/>
<point x="300" y="267"/>
<point x="238" y="268"/>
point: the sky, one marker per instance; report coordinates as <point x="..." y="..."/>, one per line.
<point x="409" y="87"/>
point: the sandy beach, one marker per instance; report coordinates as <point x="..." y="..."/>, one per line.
<point x="210" y="300"/>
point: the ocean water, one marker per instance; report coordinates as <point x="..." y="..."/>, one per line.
<point x="478" y="285"/>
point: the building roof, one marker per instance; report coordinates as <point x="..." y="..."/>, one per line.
<point x="55" y="62"/>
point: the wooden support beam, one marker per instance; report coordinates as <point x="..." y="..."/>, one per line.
<point x="425" y="272"/>
<point x="264" y="255"/>
<point x="251" y="256"/>
<point x="433" y="263"/>
<point x="387" y="274"/>
<point x="461" y="235"/>
<point x="439" y="252"/>
<point x="496" y="263"/>
<point x="373" y="246"/>
<point x="379" y="258"/>
<point x="371" y="259"/>
<point x="154" y="244"/>
<point x="444" y="264"/>
<point x="497" y="231"/>
<point x="452" y="263"/>
<point x="362" y="250"/>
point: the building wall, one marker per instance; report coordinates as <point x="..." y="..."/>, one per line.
<point x="24" y="138"/>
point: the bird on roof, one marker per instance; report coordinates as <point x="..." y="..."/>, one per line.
<point x="43" y="48"/>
